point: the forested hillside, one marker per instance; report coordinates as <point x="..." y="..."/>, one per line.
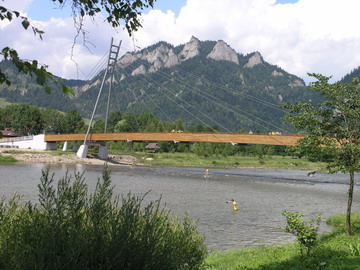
<point x="24" y="89"/>
<point x="200" y="82"/>
<point x="348" y="77"/>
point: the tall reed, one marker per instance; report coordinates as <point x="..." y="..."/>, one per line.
<point x="72" y="229"/>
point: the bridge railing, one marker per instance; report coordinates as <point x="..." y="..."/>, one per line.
<point x="17" y="139"/>
<point x="234" y="138"/>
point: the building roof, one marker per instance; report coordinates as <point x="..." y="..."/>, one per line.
<point x="152" y="146"/>
<point x="7" y="132"/>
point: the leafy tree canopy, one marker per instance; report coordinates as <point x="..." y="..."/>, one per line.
<point x="332" y="127"/>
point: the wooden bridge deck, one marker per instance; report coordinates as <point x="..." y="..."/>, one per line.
<point x="240" y="138"/>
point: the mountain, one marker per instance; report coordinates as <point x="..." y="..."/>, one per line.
<point x="204" y="82"/>
<point x="348" y="77"/>
<point x="24" y="89"/>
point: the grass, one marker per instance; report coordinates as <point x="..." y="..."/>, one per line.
<point x="335" y="250"/>
<point x="48" y="152"/>
<point x="7" y="159"/>
<point x="4" y="103"/>
<point x="193" y="160"/>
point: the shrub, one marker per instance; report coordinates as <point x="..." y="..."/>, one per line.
<point x="72" y="229"/>
<point x="305" y="232"/>
<point x="354" y="249"/>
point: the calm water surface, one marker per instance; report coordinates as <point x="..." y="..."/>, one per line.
<point x="261" y="196"/>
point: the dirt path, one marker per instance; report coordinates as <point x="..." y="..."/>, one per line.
<point x="31" y="156"/>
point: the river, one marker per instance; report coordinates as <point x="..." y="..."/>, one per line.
<point x="261" y="196"/>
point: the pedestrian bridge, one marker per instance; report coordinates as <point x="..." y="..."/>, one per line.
<point x="182" y="137"/>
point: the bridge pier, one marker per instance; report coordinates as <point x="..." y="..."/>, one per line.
<point x="82" y="152"/>
<point x="103" y="152"/>
<point x="65" y="147"/>
<point x="74" y="147"/>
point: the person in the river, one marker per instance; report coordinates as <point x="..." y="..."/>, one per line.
<point x="235" y="208"/>
<point x="206" y="175"/>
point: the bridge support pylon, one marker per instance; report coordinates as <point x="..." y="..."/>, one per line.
<point x="103" y="152"/>
<point x="74" y="147"/>
<point x="113" y="55"/>
<point x="65" y="147"/>
<point x="82" y="152"/>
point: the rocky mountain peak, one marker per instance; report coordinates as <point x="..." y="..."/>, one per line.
<point x="254" y="60"/>
<point x="161" y="56"/>
<point x="191" y="49"/>
<point x="223" y="51"/>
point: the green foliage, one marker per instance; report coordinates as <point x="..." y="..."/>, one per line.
<point x="339" y="222"/>
<point x="333" y="253"/>
<point x="332" y="128"/>
<point x="305" y="231"/>
<point x="24" y="119"/>
<point x="70" y="229"/>
<point x="4" y="159"/>
<point x="31" y="68"/>
<point x="6" y="14"/>
<point x="98" y="126"/>
<point x="330" y="124"/>
<point x="73" y="122"/>
<point x="348" y="77"/>
<point x="114" y="118"/>
<point x="354" y="249"/>
<point x="116" y="12"/>
<point x="24" y="88"/>
<point x="53" y="121"/>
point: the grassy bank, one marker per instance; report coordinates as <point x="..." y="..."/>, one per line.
<point x="335" y="250"/>
<point x="7" y="159"/>
<point x="193" y="160"/>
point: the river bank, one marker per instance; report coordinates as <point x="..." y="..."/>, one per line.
<point x="56" y="157"/>
<point x="188" y="160"/>
<point x="334" y="250"/>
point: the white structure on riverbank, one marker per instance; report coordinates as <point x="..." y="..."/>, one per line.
<point x="34" y="142"/>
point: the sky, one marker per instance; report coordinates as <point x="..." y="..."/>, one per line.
<point x="300" y="36"/>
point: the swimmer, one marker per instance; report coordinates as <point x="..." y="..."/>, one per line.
<point x="206" y="175"/>
<point x="235" y="208"/>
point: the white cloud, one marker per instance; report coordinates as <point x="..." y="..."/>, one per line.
<point x="18" y="5"/>
<point x="57" y="47"/>
<point x="309" y="36"/>
<point x="319" y="36"/>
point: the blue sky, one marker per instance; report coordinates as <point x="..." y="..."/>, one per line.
<point x="44" y="9"/>
<point x="291" y="34"/>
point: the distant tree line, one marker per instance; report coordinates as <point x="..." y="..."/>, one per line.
<point x="25" y="120"/>
<point x="32" y="120"/>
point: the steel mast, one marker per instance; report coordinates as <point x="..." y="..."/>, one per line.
<point x="112" y="59"/>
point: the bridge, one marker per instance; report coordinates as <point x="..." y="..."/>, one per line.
<point x="176" y="137"/>
<point x="179" y="137"/>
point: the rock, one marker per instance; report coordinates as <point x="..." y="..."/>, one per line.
<point x="276" y="73"/>
<point x="222" y="51"/>
<point x="127" y="59"/>
<point x="296" y="83"/>
<point x="191" y="49"/>
<point x="140" y="70"/>
<point x="254" y="60"/>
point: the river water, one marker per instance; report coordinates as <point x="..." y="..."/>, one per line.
<point x="261" y="196"/>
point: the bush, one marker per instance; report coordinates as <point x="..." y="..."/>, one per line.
<point x="305" y="232"/>
<point x="70" y="229"/>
